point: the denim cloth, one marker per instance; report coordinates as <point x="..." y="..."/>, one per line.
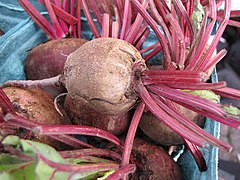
<point x="22" y="34"/>
<point x="11" y="13"/>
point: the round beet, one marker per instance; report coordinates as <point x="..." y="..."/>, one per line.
<point x="47" y="60"/>
<point x="81" y="114"/>
<point x="35" y="104"/>
<point x="153" y="162"/>
<point x="160" y="133"/>
<point x="100" y="74"/>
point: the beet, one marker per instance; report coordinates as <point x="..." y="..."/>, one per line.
<point x="154" y="162"/>
<point x="35" y="104"/>
<point x="80" y="114"/>
<point x="160" y="133"/>
<point x="47" y="60"/>
<point x="104" y="75"/>
<point x="110" y="76"/>
<point x="100" y="74"/>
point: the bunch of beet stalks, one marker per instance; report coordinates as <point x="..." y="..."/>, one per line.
<point x="111" y="75"/>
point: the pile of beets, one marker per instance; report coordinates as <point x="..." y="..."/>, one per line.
<point x="108" y="91"/>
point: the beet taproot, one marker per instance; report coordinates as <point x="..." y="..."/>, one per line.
<point x="79" y="113"/>
<point x="100" y="74"/>
<point x="36" y="105"/>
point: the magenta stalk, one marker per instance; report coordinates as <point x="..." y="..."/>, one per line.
<point x="198" y="156"/>
<point x="76" y="129"/>
<point x="170" y="109"/>
<point x="128" y="144"/>
<point x="19" y="121"/>
<point x="79" y="168"/>
<point x="122" y="172"/>
<point x="90" y="152"/>
<point x="39" y="19"/>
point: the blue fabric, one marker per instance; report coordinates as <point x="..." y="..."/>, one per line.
<point x="14" y="46"/>
<point x="11" y="13"/>
<point x="22" y="34"/>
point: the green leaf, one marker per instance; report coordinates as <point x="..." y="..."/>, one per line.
<point x="206" y="94"/>
<point x="11" y="140"/>
<point x="47" y="151"/>
<point x="88" y="159"/>
<point x="105" y="175"/>
<point x="26" y="163"/>
<point x="28" y="172"/>
<point x="44" y="171"/>
<point x="197" y="16"/>
<point x="9" y="159"/>
<point x="17" y="168"/>
<point x="6" y="176"/>
<point x="232" y="110"/>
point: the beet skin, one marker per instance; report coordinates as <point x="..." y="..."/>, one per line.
<point x="160" y="133"/>
<point x="100" y="73"/>
<point x="47" y="60"/>
<point x="36" y="105"/>
<point x="80" y="114"/>
<point x="153" y="162"/>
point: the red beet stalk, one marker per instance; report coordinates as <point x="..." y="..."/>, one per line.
<point x="76" y="129"/>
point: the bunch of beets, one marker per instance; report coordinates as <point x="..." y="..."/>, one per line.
<point x="106" y="89"/>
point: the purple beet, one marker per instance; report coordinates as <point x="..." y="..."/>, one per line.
<point x="48" y="59"/>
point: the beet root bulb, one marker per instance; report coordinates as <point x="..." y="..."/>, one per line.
<point x="100" y="74"/>
<point x="160" y="133"/>
<point x="47" y="60"/>
<point x="35" y="105"/>
<point x="80" y="114"/>
<point x="153" y="162"/>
